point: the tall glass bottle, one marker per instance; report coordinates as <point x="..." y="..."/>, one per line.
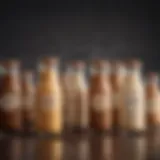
<point x="48" y="98"/>
<point x="11" y="97"/>
<point x="133" y="111"/>
<point x="117" y="79"/>
<point x="100" y="96"/>
<point x="153" y="100"/>
<point x="28" y="103"/>
<point x="2" y="75"/>
<point x="76" y="93"/>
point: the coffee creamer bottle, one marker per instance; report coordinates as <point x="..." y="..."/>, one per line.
<point x="10" y="101"/>
<point x="76" y="94"/>
<point x="28" y="101"/>
<point x="133" y="111"/>
<point x="48" y="98"/>
<point x="153" y="100"/>
<point x="2" y="75"/>
<point x="100" y="96"/>
<point x="117" y="79"/>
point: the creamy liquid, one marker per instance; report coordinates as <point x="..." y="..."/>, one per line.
<point x="76" y="101"/>
<point x="100" y="102"/>
<point x="153" y="103"/>
<point x="10" y="101"/>
<point x="133" y="103"/>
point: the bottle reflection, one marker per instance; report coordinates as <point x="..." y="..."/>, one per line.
<point x="49" y="149"/>
<point x="29" y="148"/>
<point x="11" y="149"/>
<point x="83" y="149"/>
<point x="137" y="147"/>
<point x="101" y="148"/>
<point x="153" y="143"/>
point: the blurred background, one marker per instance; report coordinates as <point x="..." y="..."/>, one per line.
<point x="111" y="29"/>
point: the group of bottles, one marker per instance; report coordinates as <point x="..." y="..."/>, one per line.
<point x="114" y="97"/>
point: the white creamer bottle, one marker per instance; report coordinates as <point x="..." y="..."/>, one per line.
<point x="76" y="96"/>
<point x="118" y="74"/>
<point x="153" y="100"/>
<point x="133" y="109"/>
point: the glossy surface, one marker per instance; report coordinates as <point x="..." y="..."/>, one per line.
<point x="81" y="147"/>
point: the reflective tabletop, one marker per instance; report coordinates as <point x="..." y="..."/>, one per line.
<point x="81" y="147"/>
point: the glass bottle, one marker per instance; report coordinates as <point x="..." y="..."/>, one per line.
<point x="100" y="96"/>
<point x="133" y="111"/>
<point x="11" y="97"/>
<point x="153" y="100"/>
<point x="76" y="93"/>
<point x="117" y="79"/>
<point x="2" y="75"/>
<point x="28" y="97"/>
<point x="48" y="98"/>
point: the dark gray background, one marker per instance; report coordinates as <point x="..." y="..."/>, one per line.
<point x="111" y="29"/>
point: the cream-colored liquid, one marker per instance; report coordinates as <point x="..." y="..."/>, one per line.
<point x="49" y="103"/>
<point x="76" y="101"/>
<point x="153" y="103"/>
<point x="133" y="110"/>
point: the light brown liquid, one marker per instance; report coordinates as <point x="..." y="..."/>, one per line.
<point x="48" y="100"/>
<point x="153" y="100"/>
<point x="11" y="97"/>
<point x="100" y="97"/>
<point x="117" y="80"/>
<point x="28" y="101"/>
<point x="76" y="97"/>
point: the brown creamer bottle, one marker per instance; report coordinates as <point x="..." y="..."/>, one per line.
<point x="76" y="93"/>
<point x="2" y="75"/>
<point x="133" y="111"/>
<point x="48" y="98"/>
<point x="153" y="100"/>
<point x="11" y="98"/>
<point x="28" y="101"/>
<point x="117" y="79"/>
<point x="100" y="96"/>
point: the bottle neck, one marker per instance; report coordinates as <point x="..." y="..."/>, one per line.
<point x="48" y="73"/>
<point x="77" y="75"/>
<point x="100" y="72"/>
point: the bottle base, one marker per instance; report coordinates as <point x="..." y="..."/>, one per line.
<point x="133" y="132"/>
<point x="45" y="134"/>
<point x="13" y="132"/>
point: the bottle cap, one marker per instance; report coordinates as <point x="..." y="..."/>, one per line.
<point x="98" y="63"/>
<point x="50" y="61"/>
<point x="12" y="63"/>
<point x="153" y="76"/>
<point x="116" y="64"/>
<point x="134" y="63"/>
<point x="78" y="64"/>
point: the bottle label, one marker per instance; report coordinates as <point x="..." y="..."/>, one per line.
<point x="48" y="102"/>
<point x="76" y="109"/>
<point x="135" y="109"/>
<point x="153" y="105"/>
<point x="101" y="102"/>
<point x="10" y="101"/>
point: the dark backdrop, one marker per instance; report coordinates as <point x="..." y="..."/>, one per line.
<point x="111" y="29"/>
